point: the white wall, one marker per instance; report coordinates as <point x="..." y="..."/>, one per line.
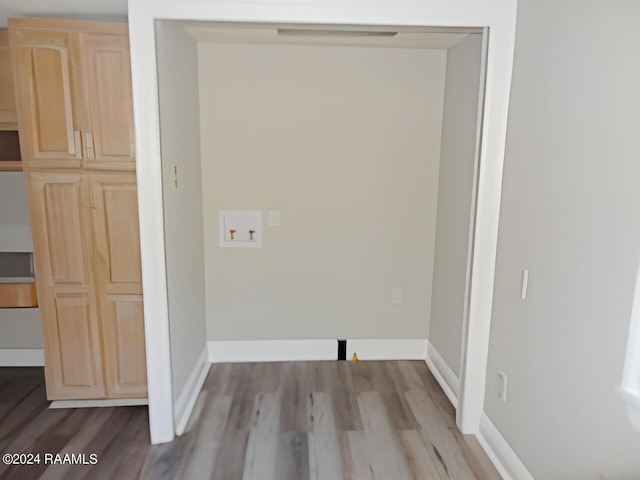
<point x="179" y="125"/>
<point x="346" y="143"/>
<point x="455" y="198"/>
<point x="570" y="214"/>
<point x="19" y="327"/>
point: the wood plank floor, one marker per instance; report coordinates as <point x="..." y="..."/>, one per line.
<point x="291" y="420"/>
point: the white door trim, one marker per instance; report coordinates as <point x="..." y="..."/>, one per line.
<point x="498" y="16"/>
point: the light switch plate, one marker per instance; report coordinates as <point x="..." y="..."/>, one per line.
<point x="240" y="228"/>
<point x="525" y="284"/>
<point x="273" y="218"/>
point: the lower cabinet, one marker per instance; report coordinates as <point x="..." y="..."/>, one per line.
<point x="114" y="215"/>
<point x="87" y="258"/>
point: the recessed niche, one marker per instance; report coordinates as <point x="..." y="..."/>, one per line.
<point x="10" y="150"/>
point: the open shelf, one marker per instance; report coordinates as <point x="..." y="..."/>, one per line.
<point x="18" y="295"/>
<point x="10" y="158"/>
<point x="17" y="284"/>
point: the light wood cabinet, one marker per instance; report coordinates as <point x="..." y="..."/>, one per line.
<point x="119" y="282"/>
<point x="45" y="83"/>
<point x="73" y="93"/>
<point x="59" y="208"/>
<point x="109" y="142"/>
<point x="8" y="116"/>
<point x="76" y="132"/>
<point x="9" y="150"/>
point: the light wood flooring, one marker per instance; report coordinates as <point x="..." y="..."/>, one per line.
<point x="281" y="421"/>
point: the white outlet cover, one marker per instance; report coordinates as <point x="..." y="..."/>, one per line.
<point x="396" y="295"/>
<point x="240" y="228"/>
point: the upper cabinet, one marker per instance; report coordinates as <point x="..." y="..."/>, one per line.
<point x="47" y="88"/>
<point x="110" y="143"/>
<point x="73" y="88"/>
<point x="9" y="145"/>
<point x="8" y="118"/>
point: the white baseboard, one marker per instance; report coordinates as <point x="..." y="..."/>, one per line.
<point x="496" y="447"/>
<point x="500" y="452"/>
<point x="113" y="402"/>
<point x="446" y="377"/>
<point x="21" y="357"/>
<point x="387" y="349"/>
<point x="272" y="350"/>
<point x="187" y="398"/>
<point x="311" y="350"/>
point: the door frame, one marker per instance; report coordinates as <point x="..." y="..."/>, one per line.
<point x="496" y="17"/>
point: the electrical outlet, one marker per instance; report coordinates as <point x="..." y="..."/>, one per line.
<point x="396" y="295"/>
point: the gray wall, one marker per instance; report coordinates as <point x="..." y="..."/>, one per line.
<point x="571" y="215"/>
<point x="180" y="130"/>
<point x="346" y="143"/>
<point x="19" y="327"/>
<point x="15" y="229"/>
<point x="454" y="198"/>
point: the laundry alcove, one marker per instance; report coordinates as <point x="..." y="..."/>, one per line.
<point x="167" y="105"/>
<point x="364" y="139"/>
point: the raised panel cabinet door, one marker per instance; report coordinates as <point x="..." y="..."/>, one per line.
<point x="109" y="141"/>
<point x="47" y="97"/>
<point x="8" y="116"/>
<point x="59" y="209"/>
<point x="119" y="283"/>
<point x="123" y="338"/>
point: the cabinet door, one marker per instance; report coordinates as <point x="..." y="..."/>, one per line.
<point x="109" y="141"/>
<point x="8" y="118"/>
<point x="119" y="283"/>
<point x="46" y="89"/>
<point x="58" y="204"/>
